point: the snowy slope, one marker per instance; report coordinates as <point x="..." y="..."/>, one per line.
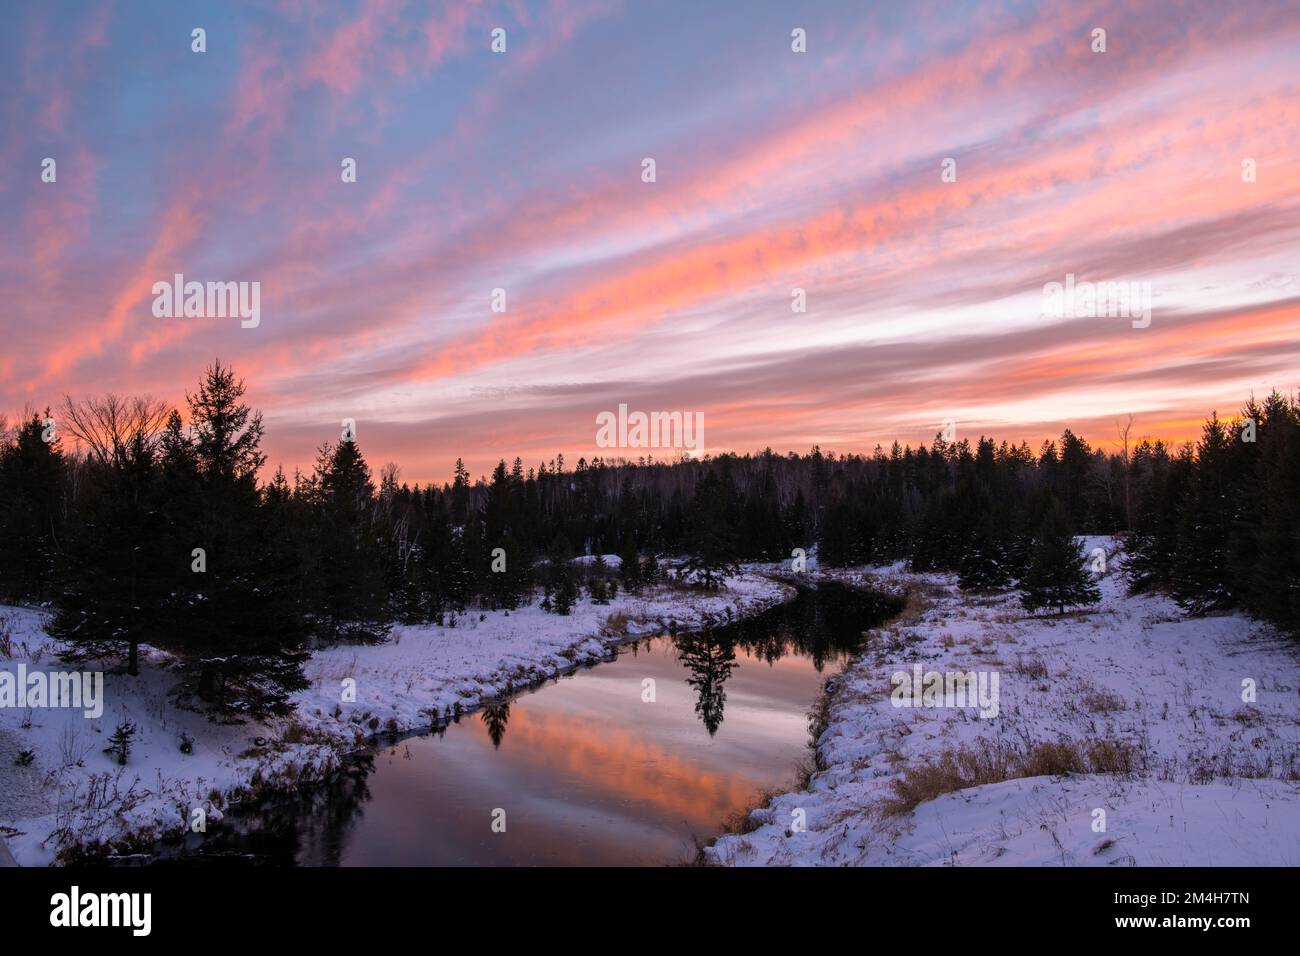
<point x="1214" y="778"/>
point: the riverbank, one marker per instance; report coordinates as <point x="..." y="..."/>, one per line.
<point x="73" y="797"/>
<point x="1121" y="738"/>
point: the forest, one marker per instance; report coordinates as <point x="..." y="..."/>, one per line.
<point x="139" y="526"/>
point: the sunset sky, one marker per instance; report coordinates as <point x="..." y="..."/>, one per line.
<point x="775" y="170"/>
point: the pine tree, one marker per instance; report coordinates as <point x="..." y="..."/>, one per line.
<point x="563" y="588"/>
<point x="1161" y="486"/>
<point x="31" y="476"/>
<point x="351" y="551"/>
<point x="710" y="541"/>
<point x="1057" y="576"/>
<point x="1200" y="575"/>
<point x="983" y="565"/>
<point x="504" y="527"/>
<point x="110" y="579"/>
<point x="630" y="566"/>
<point x="1272" y="580"/>
<point x="838" y="547"/>
<point x="241" y="637"/>
<point x="650" y="569"/>
<point x="597" y="581"/>
<point x="471" y="562"/>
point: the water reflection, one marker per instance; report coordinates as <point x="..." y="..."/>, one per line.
<point x="710" y="656"/>
<point x="495" y="717"/>
<point x="588" y="772"/>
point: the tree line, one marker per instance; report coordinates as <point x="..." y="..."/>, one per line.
<point x="158" y="530"/>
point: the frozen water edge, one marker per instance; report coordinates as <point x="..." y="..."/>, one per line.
<point x="1218" y="786"/>
<point x="422" y="675"/>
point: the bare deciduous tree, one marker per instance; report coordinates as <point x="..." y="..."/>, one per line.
<point x="1124" y="431"/>
<point x="110" y="425"/>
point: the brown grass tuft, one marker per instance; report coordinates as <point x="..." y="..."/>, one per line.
<point x="963" y="767"/>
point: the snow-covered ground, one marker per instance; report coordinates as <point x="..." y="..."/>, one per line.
<point x="1215" y="779"/>
<point x="74" y="794"/>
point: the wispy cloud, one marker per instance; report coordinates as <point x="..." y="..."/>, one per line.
<point x="776" y="170"/>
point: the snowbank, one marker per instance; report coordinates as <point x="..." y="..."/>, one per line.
<point x="1212" y="778"/>
<point x="73" y="794"/>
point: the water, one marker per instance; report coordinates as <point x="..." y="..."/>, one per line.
<point x="585" y="770"/>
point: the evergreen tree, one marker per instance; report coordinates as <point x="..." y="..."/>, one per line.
<point x="353" y="596"/>
<point x="650" y="569"/>
<point x="471" y="562"/>
<point x="1200" y="577"/>
<point x="505" y="528"/>
<point x="841" y="544"/>
<point x="710" y="541"/>
<point x="984" y="565"/>
<point x="562" y="586"/>
<point x="1057" y="576"/>
<point x="240" y="635"/>
<point x="31" y="477"/>
<point x="597" y="581"/>
<point x="630" y="565"/>
<point x="111" y="583"/>
<point x="1161" y="486"/>
<point x="1272" y="578"/>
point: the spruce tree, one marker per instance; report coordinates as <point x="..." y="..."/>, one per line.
<point x="1272" y="587"/>
<point x="563" y="588"/>
<point x="31" y="477"/>
<point x="710" y="540"/>
<point x="353" y="597"/>
<point x="598" y="581"/>
<point x="111" y="574"/>
<point x="1201" y="573"/>
<point x="630" y="565"/>
<point x="1161" y="486"/>
<point x="1057" y="576"/>
<point x="650" y="569"/>
<point x="241" y="637"/>
<point x="983" y="565"/>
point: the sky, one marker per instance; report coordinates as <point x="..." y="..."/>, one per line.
<point x="1170" y="160"/>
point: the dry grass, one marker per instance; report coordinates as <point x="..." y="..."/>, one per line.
<point x="1239" y="763"/>
<point x="1102" y="702"/>
<point x="615" y="625"/>
<point x="919" y="597"/>
<point x="1031" y="666"/>
<point x="962" y="767"/>
<point x="298" y="732"/>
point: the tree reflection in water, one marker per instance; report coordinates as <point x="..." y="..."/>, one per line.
<point x="495" y="718"/>
<point x="710" y="656"/>
<point x="825" y="626"/>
